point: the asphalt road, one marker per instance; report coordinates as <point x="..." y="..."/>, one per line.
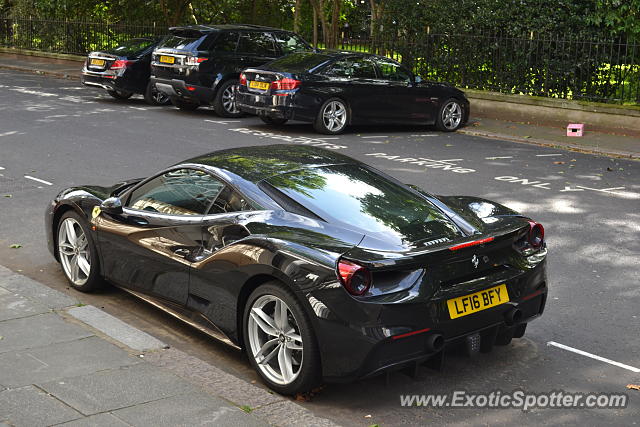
<point x="55" y="133"/>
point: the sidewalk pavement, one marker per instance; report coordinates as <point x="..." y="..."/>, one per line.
<point x="623" y="146"/>
<point x="64" y="363"/>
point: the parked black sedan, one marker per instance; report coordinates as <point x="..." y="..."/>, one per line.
<point x="335" y="89"/>
<point x="124" y="71"/>
<point x="318" y="265"/>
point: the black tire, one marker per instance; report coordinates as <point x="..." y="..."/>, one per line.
<point x="450" y="115"/>
<point x="224" y="103"/>
<point x="93" y="280"/>
<point x="184" y="105"/>
<point x="325" y="125"/>
<point x="153" y="96"/>
<point x="273" y="121"/>
<point x="120" y="94"/>
<point x="309" y="376"/>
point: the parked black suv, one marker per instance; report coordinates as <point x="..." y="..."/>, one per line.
<point x="200" y="64"/>
<point x="124" y="70"/>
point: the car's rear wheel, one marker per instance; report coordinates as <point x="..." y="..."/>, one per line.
<point x="77" y="253"/>
<point x="450" y="115"/>
<point x="120" y="94"/>
<point x="225" y="102"/>
<point x="153" y="96"/>
<point x="279" y="340"/>
<point x="184" y="105"/>
<point x="333" y="117"/>
<point x="273" y="121"/>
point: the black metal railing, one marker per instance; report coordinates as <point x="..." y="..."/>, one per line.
<point x="540" y="65"/>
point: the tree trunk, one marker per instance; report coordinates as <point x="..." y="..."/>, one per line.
<point x="315" y="28"/>
<point x="296" y="16"/>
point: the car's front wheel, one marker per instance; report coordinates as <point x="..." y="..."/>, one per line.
<point x="77" y="253"/>
<point x="333" y="117"/>
<point x="153" y="96"/>
<point x="450" y="115"/>
<point x="120" y="94"/>
<point x="279" y="340"/>
<point x="225" y="104"/>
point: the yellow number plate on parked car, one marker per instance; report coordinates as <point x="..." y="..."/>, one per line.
<point x="167" y="59"/>
<point x="478" y="301"/>
<point x="259" y="85"/>
<point x="97" y="62"/>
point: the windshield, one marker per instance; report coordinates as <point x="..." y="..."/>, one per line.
<point x="298" y="62"/>
<point x="133" y="47"/>
<point x="362" y="199"/>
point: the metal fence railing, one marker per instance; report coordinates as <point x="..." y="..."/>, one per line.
<point x="539" y="65"/>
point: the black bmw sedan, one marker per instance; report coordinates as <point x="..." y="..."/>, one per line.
<point x="335" y="89"/>
<point x="319" y="266"/>
<point x="124" y="71"/>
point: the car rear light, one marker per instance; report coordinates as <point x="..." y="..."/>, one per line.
<point x="190" y="88"/>
<point x="243" y="79"/>
<point x="285" y="84"/>
<point x="355" y="278"/>
<point x="121" y="63"/>
<point x="467" y="244"/>
<point x="194" y="60"/>
<point x="536" y="234"/>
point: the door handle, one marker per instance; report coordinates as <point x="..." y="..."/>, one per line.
<point x="182" y="252"/>
<point x="138" y="220"/>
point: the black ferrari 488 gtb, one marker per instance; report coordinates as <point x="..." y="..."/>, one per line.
<point x="319" y="266"/>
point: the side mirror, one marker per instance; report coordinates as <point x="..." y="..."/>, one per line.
<point x="112" y="206"/>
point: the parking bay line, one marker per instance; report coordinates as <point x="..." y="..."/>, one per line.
<point x="379" y="136"/>
<point x="549" y="155"/>
<point x="496" y="158"/>
<point x="593" y="356"/>
<point x="38" y="180"/>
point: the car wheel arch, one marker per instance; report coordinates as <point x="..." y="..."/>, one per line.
<point x="60" y="211"/>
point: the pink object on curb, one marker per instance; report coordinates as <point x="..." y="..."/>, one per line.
<point x="575" y="129"/>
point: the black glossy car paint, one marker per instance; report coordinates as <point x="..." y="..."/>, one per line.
<point x="224" y="257"/>
<point x="371" y="100"/>
<point x="133" y="78"/>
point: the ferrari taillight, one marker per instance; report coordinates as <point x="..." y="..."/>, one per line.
<point x="355" y="278"/>
<point x="536" y="234"/>
<point x="285" y="84"/>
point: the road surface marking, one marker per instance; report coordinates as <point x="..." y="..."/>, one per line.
<point x="548" y="155"/>
<point x="139" y="108"/>
<point x="9" y="133"/>
<point x="331" y="137"/>
<point x="222" y="122"/>
<point x="496" y="158"/>
<point x="593" y="356"/>
<point x="624" y="194"/>
<point x="379" y="136"/>
<point x="425" y="134"/>
<point x="1" y="168"/>
<point x="38" y="180"/>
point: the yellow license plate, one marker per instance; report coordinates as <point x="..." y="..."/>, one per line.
<point x="97" y="62"/>
<point x="478" y="301"/>
<point x="167" y="59"/>
<point x="259" y="85"/>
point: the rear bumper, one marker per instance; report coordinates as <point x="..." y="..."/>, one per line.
<point x="274" y="106"/>
<point x="110" y="81"/>
<point x="187" y="92"/>
<point x="359" y="339"/>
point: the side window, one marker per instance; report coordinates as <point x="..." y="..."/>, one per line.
<point x="229" y="201"/>
<point x="392" y="71"/>
<point x="290" y="43"/>
<point x="359" y="68"/>
<point x="178" y="192"/>
<point x="226" y="42"/>
<point x="257" y="44"/>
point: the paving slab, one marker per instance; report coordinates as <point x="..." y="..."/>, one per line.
<point x="289" y="414"/>
<point x="100" y="420"/>
<point x="14" y="306"/>
<point x="56" y="361"/>
<point x="188" y="410"/>
<point x="37" y="292"/>
<point x="116" y="328"/>
<point x="29" y="406"/>
<point x="38" y="331"/>
<point x="117" y="388"/>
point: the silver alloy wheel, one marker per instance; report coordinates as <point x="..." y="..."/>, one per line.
<point x="159" y="97"/>
<point x="334" y="116"/>
<point x="229" y="99"/>
<point x="451" y="115"/>
<point x="73" y="249"/>
<point x="275" y="339"/>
